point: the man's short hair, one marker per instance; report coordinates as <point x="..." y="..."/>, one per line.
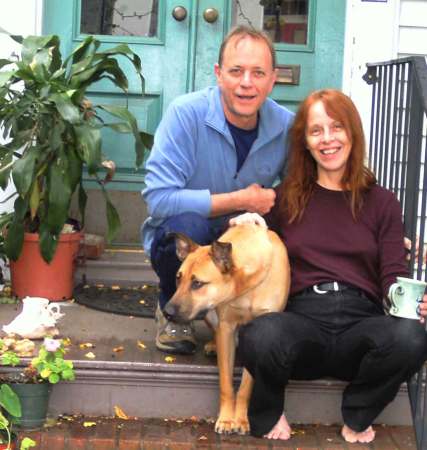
<point x="243" y="31"/>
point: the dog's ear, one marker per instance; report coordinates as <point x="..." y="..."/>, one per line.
<point x="184" y="245"/>
<point x="221" y="255"/>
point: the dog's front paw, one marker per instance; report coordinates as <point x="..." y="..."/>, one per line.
<point x="241" y="425"/>
<point x="224" y="425"/>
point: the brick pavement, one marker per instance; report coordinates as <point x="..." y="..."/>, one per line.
<point x="69" y="433"/>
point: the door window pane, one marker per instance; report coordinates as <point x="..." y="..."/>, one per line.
<point x="284" y="20"/>
<point x="119" y="17"/>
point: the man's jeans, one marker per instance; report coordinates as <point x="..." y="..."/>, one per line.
<point x="339" y="334"/>
<point x="163" y="252"/>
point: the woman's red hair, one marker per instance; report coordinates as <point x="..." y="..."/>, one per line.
<point x="297" y="188"/>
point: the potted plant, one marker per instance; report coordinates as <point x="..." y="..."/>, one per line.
<point x="33" y="384"/>
<point x="10" y="411"/>
<point x="53" y="136"/>
<point x="10" y="408"/>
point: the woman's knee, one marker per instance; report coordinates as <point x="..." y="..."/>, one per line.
<point x="410" y="339"/>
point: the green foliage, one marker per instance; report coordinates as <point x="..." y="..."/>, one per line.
<point x="10" y="410"/>
<point x="53" y="133"/>
<point x="49" y="366"/>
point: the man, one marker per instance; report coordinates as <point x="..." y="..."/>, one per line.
<point x="216" y="153"/>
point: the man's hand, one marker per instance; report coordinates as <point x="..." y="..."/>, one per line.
<point x="422" y="309"/>
<point x="248" y="218"/>
<point x="256" y="199"/>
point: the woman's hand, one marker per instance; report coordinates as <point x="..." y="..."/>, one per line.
<point x="422" y="309"/>
<point x="248" y="218"/>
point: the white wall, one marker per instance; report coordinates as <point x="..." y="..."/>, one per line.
<point x="371" y="36"/>
<point x="22" y="17"/>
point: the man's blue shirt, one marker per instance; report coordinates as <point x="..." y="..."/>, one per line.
<point x="194" y="156"/>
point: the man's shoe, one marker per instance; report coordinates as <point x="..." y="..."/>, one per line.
<point x="174" y="337"/>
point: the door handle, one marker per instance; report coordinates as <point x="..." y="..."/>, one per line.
<point x="210" y="15"/>
<point x="179" y="13"/>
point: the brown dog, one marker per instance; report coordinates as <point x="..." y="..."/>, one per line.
<point x="239" y="277"/>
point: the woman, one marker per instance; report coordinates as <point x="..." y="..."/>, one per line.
<point x="344" y="237"/>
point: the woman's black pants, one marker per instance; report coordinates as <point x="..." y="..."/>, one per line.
<point x="339" y="334"/>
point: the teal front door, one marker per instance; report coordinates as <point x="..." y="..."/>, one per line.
<point x="178" y="42"/>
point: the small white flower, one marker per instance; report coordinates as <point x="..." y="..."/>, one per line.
<point x="51" y="345"/>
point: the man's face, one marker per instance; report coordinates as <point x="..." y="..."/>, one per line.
<point x="245" y="78"/>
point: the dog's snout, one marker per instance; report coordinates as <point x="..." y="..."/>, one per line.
<point x="170" y="311"/>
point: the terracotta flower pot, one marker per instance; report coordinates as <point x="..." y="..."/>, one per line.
<point x="32" y="276"/>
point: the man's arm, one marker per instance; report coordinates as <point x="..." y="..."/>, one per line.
<point x="171" y="164"/>
<point x="254" y="198"/>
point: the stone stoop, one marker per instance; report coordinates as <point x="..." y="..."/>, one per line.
<point x="123" y="266"/>
<point x="127" y="371"/>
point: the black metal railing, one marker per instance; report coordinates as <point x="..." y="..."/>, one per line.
<point x="398" y="155"/>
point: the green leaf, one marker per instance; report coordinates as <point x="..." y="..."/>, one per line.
<point x="147" y="139"/>
<point x="23" y="171"/>
<point x="54" y="378"/>
<point x="90" y="44"/>
<point x="48" y="242"/>
<point x="5" y="62"/>
<point x="129" y="118"/>
<point x="34" y="200"/>
<point x="6" y="167"/>
<point x="17" y="38"/>
<point x="10" y="401"/>
<point x="5" y="76"/>
<point x="75" y="168"/>
<point x="40" y="65"/>
<point x="32" y="44"/>
<point x="68" y="110"/>
<point x="82" y="202"/>
<point x="27" y="443"/>
<point x="89" y="141"/>
<point x="59" y="195"/>
<point x="120" y="127"/>
<point x="20" y="208"/>
<point x="113" y="219"/>
<point x="14" y="240"/>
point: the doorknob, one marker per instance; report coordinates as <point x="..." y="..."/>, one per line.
<point x="210" y="15"/>
<point x="179" y="13"/>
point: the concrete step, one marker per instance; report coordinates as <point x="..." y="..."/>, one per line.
<point x="144" y="384"/>
<point x="123" y="266"/>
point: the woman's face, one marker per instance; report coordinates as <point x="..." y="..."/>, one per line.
<point x="328" y="143"/>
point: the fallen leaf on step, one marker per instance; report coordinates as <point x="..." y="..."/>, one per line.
<point x="142" y="302"/>
<point x="170" y="359"/>
<point x="115" y="287"/>
<point x="89" y="424"/>
<point x="118" y="349"/>
<point x="141" y="344"/>
<point x="90" y="355"/>
<point x="66" y="342"/>
<point x="145" y="286"/>
<point x="86" y="345"/>
<point x="120" y="413"/>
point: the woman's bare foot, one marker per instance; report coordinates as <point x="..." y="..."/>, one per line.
<point x="354" y="436"/>
<point x="281" y="430"/>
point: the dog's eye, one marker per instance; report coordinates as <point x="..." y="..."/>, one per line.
<point x="197" y="284"/>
